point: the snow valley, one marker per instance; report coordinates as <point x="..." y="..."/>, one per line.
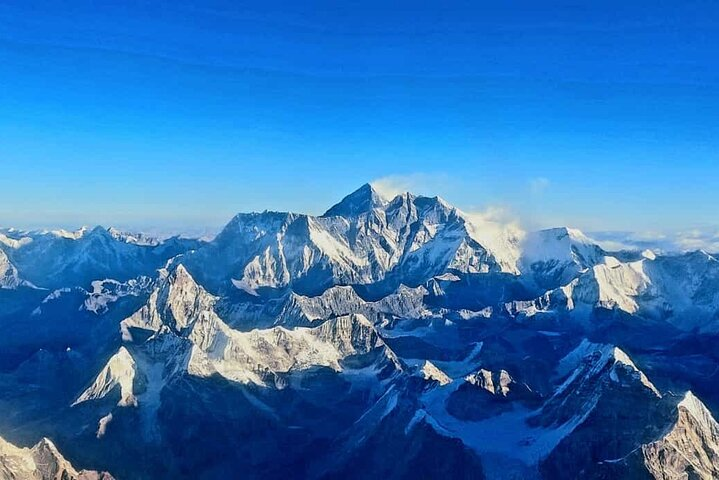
<point x="388" y="337"/>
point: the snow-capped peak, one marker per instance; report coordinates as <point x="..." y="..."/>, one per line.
<point x="120" y="370"/>
<point x="176" y="302"/>
<point x="133" y="238"/>
<point x="589" y="361"/>
<point x="620" y="357"/>
<point x="9" y="277"/>
<point x="649" y="254"/>
<point x="14" y="242"/>
<point x="561" y="244"/>
<point x="698" y="411"/>
<point x="70" y="234"/>
<point x="362" y="240"/>
<point x="362" y="200"/>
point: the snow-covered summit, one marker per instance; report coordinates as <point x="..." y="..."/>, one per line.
<point x="120" y="372"/>
<point x="557" y="255"/>
<point x="681" y="289"/>
<point x="362" y="200"/>
<point x="9" y="277"/>
<point x="133" y="238"/>
<point x="362" y="240"/>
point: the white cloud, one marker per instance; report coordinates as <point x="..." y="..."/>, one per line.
<point x="677" y="241"/>
<point x="698" y="240"/>
<point x="496" y="228"/>
<point x="417" y="183"/>
<point x="539" y="185"/>
<point x="614" y="245"/>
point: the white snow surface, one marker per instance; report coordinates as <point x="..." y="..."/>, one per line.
<point x="120" y="370"/>
<point x="597" y="357"/>
<point x="179" y="306"/>
<point x="419" y="235"/>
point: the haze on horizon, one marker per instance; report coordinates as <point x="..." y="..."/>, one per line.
<point x="177" y="116"/>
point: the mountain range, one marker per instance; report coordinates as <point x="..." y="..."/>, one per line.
<point x="386" y="337"/>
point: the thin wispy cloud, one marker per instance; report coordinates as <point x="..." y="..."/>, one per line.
<point x="499" y="229"/>
<point x="538" y="185"/>
<point x="417" y="183"/>
<point x="706" y="239"/>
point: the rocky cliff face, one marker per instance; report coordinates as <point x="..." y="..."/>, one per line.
<point x="9" y="277"/>
<point x="690" y="449"/>
<point x="41" y="462"/>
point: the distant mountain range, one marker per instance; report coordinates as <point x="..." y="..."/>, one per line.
<point x="387" y="338"/>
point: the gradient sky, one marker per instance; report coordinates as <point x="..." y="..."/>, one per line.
<point x="601" y="115"/>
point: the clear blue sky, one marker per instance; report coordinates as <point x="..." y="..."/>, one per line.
<point x="603" y="115"/>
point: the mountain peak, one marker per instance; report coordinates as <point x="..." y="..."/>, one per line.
<point x="360" y="201"/>
<point x="8" y="273"/>
<point x="120" y="371"/>
<point x="70" y="235"/>
<point x="696" y="408"/>
<point x="98" y="232"/>
<point x="562" y="245"/>
<point x="42" y="461"/>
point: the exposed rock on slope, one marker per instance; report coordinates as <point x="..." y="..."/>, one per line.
<point x="607" y="407"/>
<point x="181" y="309"/>
<point x="690" y="449"/>
<point x="405" y="302"/>
<point x="41" y="462"/>
<point x="431" y="372"/>
<point x="120" y="372"/>
<point x="9" y="277"/>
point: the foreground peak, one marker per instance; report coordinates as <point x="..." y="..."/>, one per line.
<point x="696" y="408"/>
<point x="121" y="371"/>
<point x="360" y="201"/>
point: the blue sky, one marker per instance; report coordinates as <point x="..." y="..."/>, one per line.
<point x="601" y="115"/>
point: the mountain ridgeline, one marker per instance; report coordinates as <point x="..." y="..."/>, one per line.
<point x="388" y="337"/>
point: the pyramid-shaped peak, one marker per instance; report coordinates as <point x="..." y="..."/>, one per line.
<point x="697" y="409"/>
<point x="181" y="273"/>
<point x="99" y="231"/>
<point x="362" y="200"/>
<point x="121" y="371"/>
